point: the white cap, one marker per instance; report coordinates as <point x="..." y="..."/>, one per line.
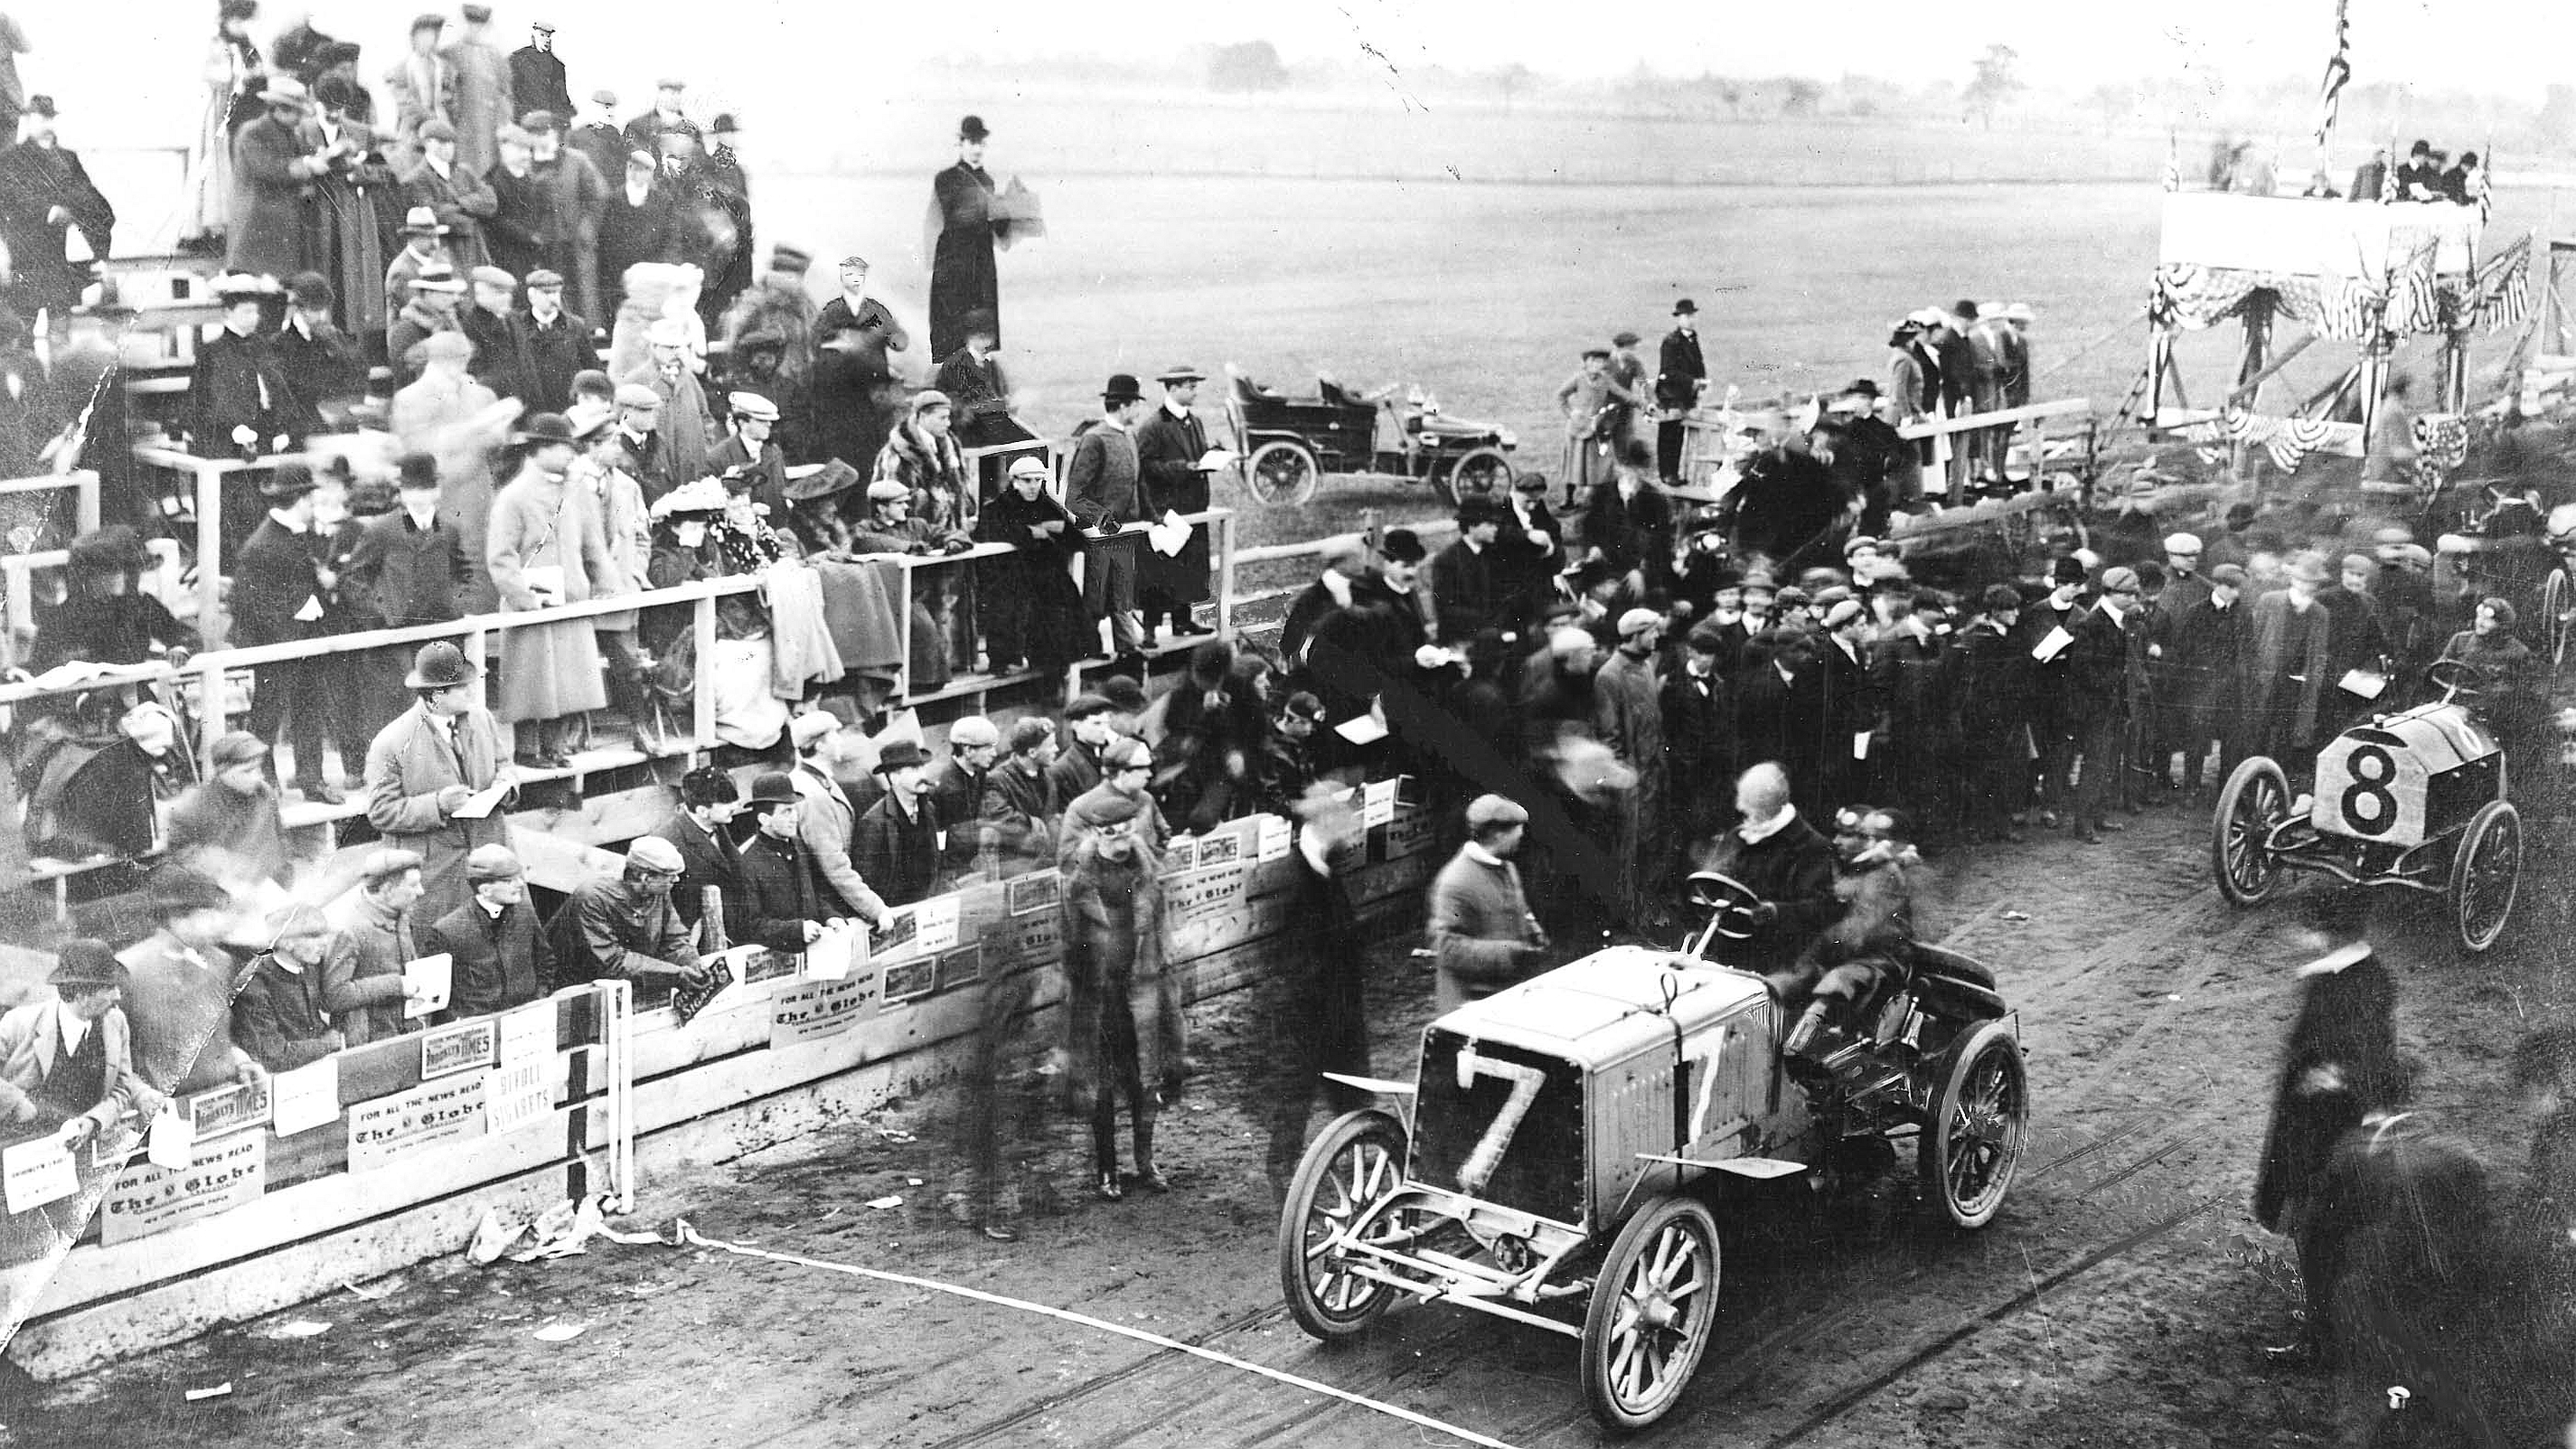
<point x="2182" y="543"/>
<point x="654" y="853"/>
<point x="1638" y="621"/>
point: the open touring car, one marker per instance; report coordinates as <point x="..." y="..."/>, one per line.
<point x="1287" y="444"/>
<point x="1553" y="1160"/>
<point x="2414" y="800"/>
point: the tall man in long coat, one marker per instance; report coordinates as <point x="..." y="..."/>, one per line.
<point x="963" y="276"/>
<point x="483" y="99"/>
<point x="1629" y="715"/>
<point x="1679" y="376"/>
<point x="1169" y="444"/>
<point x="1102" y="493"/>
<point x="575" y="195"/>
<point x="344" y="227"/>
<point x="44" y="192"/>
<point x="428" y="765"/>
<point x="2288" y="637"/>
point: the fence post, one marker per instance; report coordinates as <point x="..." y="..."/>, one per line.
<point x="210" y="531"/>
<point x="702" y="686"/>
<point x="85" y="507"/>
<point x="210" y="716"/>
<point x="1225" y="574"/>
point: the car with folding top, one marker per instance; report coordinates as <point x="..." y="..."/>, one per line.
<point x="1556" y="1158"/>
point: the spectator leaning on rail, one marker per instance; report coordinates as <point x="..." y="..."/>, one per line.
<point x="623" y="928"/>
<point x="180" y="996"/>
<point x="1483" y="936"/>
<point x="1018" y="808"/>
<point x="709" y="861"/>
<point x="898" y="842"/>
<point x="280" y="1016"/>
<point x="782" y="894"/>
<point x="362" y="977"/>
<point x="826" y="822"/>
<point x="67" y="1063"/>
<point x="499" y="957"/>
<point x="430" y="764"/>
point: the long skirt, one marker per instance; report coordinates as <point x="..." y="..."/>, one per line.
<point x="549" y="671"/>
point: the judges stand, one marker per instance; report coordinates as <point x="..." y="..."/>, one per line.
<point x="2360" y="277"/>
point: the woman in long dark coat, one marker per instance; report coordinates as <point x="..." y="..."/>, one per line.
<point x="1314" y="1007"/>
<point x="1032" y="609"/>
<point x="963" y="277"/>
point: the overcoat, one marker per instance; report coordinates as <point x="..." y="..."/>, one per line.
<point x="547" y="670"/>
<point x="1168" y="449"/>
<point x="409" y="763"/>
<point x="964" y="278"/>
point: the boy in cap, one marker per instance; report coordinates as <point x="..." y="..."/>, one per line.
<point x="229" y="825"/>
<point x="1077" y="767"/>
<point x="827" y="821"/>
<point x="280" y="1016"/>
<point x="501" y="958"/>
<point x="974" y="751"/>
<point x="1483" y="935"/>
<point x="1018" y="809"/>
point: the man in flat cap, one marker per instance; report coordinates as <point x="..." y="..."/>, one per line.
<point x="554" y="344"/>
<point x="499" y="364"/>
<point x="67" y="1060"/>
<point x="1101" y="490"/>
<point x="500" y="957"/>
<point x="483" y="97"/>
<point x="638" y="223"/>
<point x="750" y="419"/>
<point x="537" y="80"/>
<point x="1172" y="478"/>
<point x="827" y="820"/>
<point x="644" y="132"/>
<point x="456" y="195"/>
<point x="623" y="928"/>
<point x="362" y="976"/>
<point x="2107" y="701"/>
<point x="600" y="136"/>
<point x="1680" y="375"/>
<point x="45" y="192"/>
<point x="280" y="1017"/>
<point x="1483" y="936"/>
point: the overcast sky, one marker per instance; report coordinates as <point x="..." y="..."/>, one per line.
<point x="824" y="57"/>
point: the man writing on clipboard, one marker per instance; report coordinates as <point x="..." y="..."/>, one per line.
<point x="435" y="777"/>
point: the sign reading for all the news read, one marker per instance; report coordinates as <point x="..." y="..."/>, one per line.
<point x="813" y="1010"/>
<point x="221" y="1175"/>
<point x="388" y="1128"/>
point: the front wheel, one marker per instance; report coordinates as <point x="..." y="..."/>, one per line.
<point x="2486" y="874"/>
<point x="1972" y="1145"/>
<point x="2255" y="800"/>
<point x="1346" y="1175"/>
<point x="2557" y="598"/>
<point x="1653" y="1310"/>
<point x="1282" y="473"/>
<point x="1478" y="470"/>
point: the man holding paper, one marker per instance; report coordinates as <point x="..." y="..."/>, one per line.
<point x="368" y="985"/>
<point x="427" y="769"/>
<point x="783" y="899"/>
<point x="498" y="956"/>
<point x="1173" y="461"/>
<point x="67" y="1064"/>
<point x="625" y="928"/>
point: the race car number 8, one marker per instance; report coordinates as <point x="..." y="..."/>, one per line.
<point x="2368" y="806"/>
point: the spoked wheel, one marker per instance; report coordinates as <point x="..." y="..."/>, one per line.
<point x="1349" y="1170"/>
<point x="2256" y="799"/>
<point x="1282" y="473"/>
<point x="2557" y="597"/>
<point x="1972" y="1145"/>
<point x="2486" y="874"/>
<point x="1478" y="470"/>
<point x="1653" y="1309"/>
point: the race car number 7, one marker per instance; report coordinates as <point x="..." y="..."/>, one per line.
<point x="1525" y="1080"/>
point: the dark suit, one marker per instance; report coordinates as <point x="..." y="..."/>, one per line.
<point x="273" y="581"/>
<point x="409" y="574"/>
<point x="1470" y="588"/>
<point x="34" y="180"/>
<point x="551" y="352"/>
<point x="1168" y="449"/>
<point x="2106" y="700"/>
<point x="325" y="367"/>
<point x="237" y="383"/>
<point x="630" y="233"/>
<point x="780" y="894"/>
<point x="1528" y="569"/>
<point x="1835" y="698"/>
<point x="278" y="1018"/>
<point x="1993" y="717"/>
<point x="898" y="853"/>
<point x="499" y="363"/>
<point x="1679" y="373"/>
<point x="500" y="961"/>
<point x="537" y="83"/>
<point x="706" y="860"/>
<point x="1793" y="869"/>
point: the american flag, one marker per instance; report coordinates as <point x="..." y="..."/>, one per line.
<point x="2338" y="71"/>
<point x="2482" y="193"/>
<point x="2503" y="289"/>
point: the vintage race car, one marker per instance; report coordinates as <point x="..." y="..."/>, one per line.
<point x="1556" y="1158"/>
<point x="2414" y="800"/>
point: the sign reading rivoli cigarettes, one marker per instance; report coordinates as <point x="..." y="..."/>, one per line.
<point x="221" y="1175"/>
<point x="390" y="1128"/>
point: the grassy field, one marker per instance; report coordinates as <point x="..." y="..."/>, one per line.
<point x="1486" y="293"/>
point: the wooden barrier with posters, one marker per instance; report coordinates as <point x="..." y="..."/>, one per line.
<point x="772" y="1057"/>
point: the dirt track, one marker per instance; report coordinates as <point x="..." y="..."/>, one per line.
<point x="2121" y="1299"/>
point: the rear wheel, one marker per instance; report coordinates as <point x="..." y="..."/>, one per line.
<point x="2486" y="874"/>
<point x="1653" y="1310"/>
<point x="2557" y="597"/>
<point x="1346" y="1174"/>
<point x="1282" y="473"/>
<point x="2256" y="799"/>
<point x="1478" y="470"/>
<point x="1972" y="1145"/>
